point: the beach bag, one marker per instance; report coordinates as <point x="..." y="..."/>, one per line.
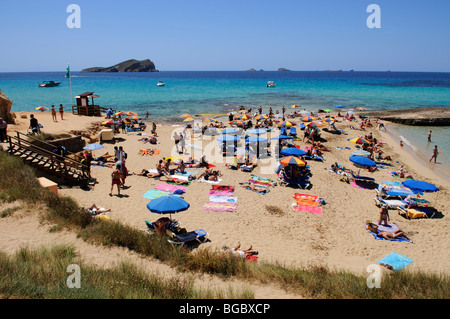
<point x="373" y="228"/>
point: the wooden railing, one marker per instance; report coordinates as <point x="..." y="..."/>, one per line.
<point x="67" y="166"/>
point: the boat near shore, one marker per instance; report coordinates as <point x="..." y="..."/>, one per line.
<point x="46" y="84"/>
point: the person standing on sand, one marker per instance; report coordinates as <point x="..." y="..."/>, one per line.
<point x="116" y="179"/>
<point x="34" y="125"/>
<point x="54" y="114"/>
<point x="61" y="111"/>
<point x="146" y="115"/>
<point x="435" y="154"/>
<point x="429" y="136"/>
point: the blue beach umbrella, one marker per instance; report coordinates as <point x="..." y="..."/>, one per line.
<point x="339" y="106"/>
<point x="167" y="205"/>
<point x="93" y="147"/>
<point x="420" y="186"/>
<point x="230" y="131"/>
<point x="293" y="152"/>
<point x="255" y="139"/>
<point x="227" y="138"/>
<point x="361" y="160"/>
<point x="282" y="137"/>
<point x="257" y="131"/>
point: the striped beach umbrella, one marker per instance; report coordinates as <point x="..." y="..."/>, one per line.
<point x="308" y="119"/>
<point x="261" y="117"/>
<point x="185" y="115"/>
<point x="119" y="113"/>
<point x="360" y="109"/>
<point x="314" y="125"/>
<point x="209" y="120"/>
<point x="188" y="119"/>
<point x="292" y="160"/>
<point x="287" y="123"/>
<point x="360" y="153"/>
<point x="238" y="123"/>
<point x="295" y="106"/>
<point x="359" y="140"/>
<point x="41" y="108"/>
<point x="131" y="113"/>
<point x="134" y="118"/>
<point x="244" y="117"/>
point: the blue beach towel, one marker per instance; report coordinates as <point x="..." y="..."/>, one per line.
<point x="396" y="260"/>
<point x="390" y="228"/>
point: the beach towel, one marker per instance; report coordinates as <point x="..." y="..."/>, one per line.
<point x="223" y="199"/>
<point x="220" y="207"/>
<point x="307" y="208"/>
<point x="202" y="180"/>
<point x="391" y="227"/>
<point x="220" y="193"/>
<point x="259" y="188"/>
<point x="222" y="188"/>
<point x="264" y="179"/>
<point x="169" y="187"/>
<point x="154" y="193"/>
<point x="396" y="260"/>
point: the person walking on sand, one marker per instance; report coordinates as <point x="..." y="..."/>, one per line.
<point x="429" y="136"/>
<point x="435" y="153"/>
<point x="116" y="179"/>
<point x="61" y="111"/>
<point x="54" y="114"/>
<point x="176" y="138"/>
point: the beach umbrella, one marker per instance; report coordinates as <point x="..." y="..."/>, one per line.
<point x="286" y="123"/>
<point x="362" y="161"/>
<point x="255" y="139"/>
<point x="244" y="117"/>
<point x="308" y="119"/>
<point x="257" y="131"/>
<point x="314" y="125"/>
<point x="420" y="186"/>
<point x="93" y="147"/>
<point x="261" y="117"/>
<point x="41" y="108"/>
<point x="339" y="106"/>
<point x="360" y="109"/>
<point x="119" y="113"/>
<point x="360" y="153"/>
<point x="131" y="113"/>
<point x="209" y="120"/>
<point x="292" y="160"/>
<point x="282" y="137"/>
<point x="237" y="122"/>
<point x="135" y="118"/>
<point x="295" y="106"/>
<point x="169" y="204"/>
<point x="327" y="111"/>
<point x="359" y="140"/>
<point x="230" y="131"/>
<point x="185" y="115"/>
<point x="292" y="151"/>
<point x="188" y="119"/>
<point x="330" y="119"/>
<point x="227" y="138"/>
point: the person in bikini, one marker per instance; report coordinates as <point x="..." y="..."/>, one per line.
<point x="384" y="216"/>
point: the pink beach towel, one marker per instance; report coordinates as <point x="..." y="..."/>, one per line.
<point x="310" y="209"/>
<point x="220" y="207"/>
<point x="220" y="193"/>
<point x="170" y="188"/>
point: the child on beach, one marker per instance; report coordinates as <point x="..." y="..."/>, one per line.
<point x="116" y="179"/>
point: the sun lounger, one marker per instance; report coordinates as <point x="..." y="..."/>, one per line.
<point x="302" y="182"/>
<point x="363" y="178"/>
<point x="181" y="239"/>
<point x="390" y="203"/>
<point x="416" y="212"/>
<point x="393" y="189"/>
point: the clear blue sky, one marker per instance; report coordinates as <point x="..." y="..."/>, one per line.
<point x="227" y="35"/>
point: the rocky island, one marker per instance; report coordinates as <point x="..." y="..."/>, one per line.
<point x="126" y="66"/>
<point x="427" y="116"/>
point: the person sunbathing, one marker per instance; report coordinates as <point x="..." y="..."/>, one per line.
<point x="95" y="210"/>
<point x="254" y="187"/>
<point x="202" y="163"/>
<point x="181" y="167"/>
<point x="175" y="180"/>
<point x="381" y="157"/>
<point x="403" y="174"/>
<point x="243" y="253"/>
<point x="209" y="175"/>
<point x="392" y="235"/>
<point x="149" y="173"/>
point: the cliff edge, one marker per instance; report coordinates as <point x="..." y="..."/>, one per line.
<point x="5" y="108"/>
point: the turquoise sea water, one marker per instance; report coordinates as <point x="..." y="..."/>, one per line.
<point x="221" y="91"/>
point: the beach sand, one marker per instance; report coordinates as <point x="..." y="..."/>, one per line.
<point x="336" y="239"/>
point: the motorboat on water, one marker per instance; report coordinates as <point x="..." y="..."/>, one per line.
<point x="270" y="84"/>
<point x="49" y="84"/>
<point x="160" y="83"/>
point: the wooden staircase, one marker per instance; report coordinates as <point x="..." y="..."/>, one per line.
<point x="70" y="170"/>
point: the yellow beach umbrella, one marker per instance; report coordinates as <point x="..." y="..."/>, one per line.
<point x="131" y="113"/>
<point x="185" y="115"/>
<point x="188" y="119"/>
<point x="244" y="117"/>
<point x="41" y="108"/>
<point x="119" y="113"/>
<point x="292" y="160"/>
<point x="286" y="123"/>
<point x="209" y="120"/>
<point x="308" y="119"/>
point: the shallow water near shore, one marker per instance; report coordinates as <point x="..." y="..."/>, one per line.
<point x="415" y="141"/>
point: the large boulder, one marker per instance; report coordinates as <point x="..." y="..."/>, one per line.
<point x="5" y="108"/>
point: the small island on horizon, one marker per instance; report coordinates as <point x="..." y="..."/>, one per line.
<point x="126" y="66"/>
